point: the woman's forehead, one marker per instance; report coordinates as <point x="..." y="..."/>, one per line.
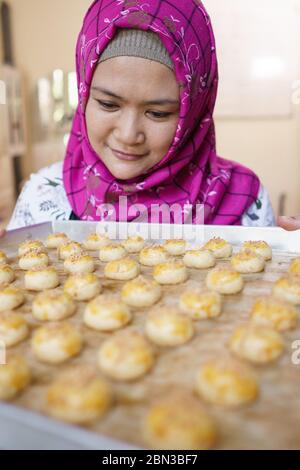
<point x="134" y="75"/>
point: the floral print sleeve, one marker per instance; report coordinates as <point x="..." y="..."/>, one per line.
<point x="42" y="199"/>
<point x="260" y="213"/>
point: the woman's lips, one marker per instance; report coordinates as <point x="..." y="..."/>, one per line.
<point x="126" y="157"/>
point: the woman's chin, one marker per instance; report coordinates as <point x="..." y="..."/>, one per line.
<point x="124" y="172"/>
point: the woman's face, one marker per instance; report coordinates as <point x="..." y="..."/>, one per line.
<point x="123" y="114"/>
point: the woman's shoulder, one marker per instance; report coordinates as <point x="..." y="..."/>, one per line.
<point x="43" y="198"/>
<point x="55" y="170"/>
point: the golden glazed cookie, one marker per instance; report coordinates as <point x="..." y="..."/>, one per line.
<point x="134" y="244"/>
<point x="33" y="259"/>
<point x="175" y="247"/>
<point x="288" y="289"/>
<point x="15" y="375"/>
<point x="111" y="252"/>
<point x="199" y="259"/>
<point x="201" y="304"/>
<point x="226" y="383"/>
<point x="78" y="396"/>
<point x="141" y="292"/>
<point x="126" y="355"/>
<point x="10" y="298"/>
<point x="166" y="326"/>
<point x="54" y="240"/>
<point x="248" y="262"/>
<point x="68" y="249"/>
<point x="41" y="278"/>
<point x="153" y="255"/>
<point x="224" y="281"/>
<point x="106" y="313"/>
<point x="56" y="342"/>
<point x="7" y="274"/>
<point x="3" y="258"/>
<point x="172" y="272"/>
<point x="259" y="247"/>
<point x="258" y="344"/>
<point x="272" y="312"/>
<point x="294" y="267"/>
<point x="53" y="305"/>
<point x="83" y="286"/>
<point x="95" y="241"/>
<point x="79" y="264"/>
<point x="29" y="245"/>
<point x="178" y="421"/>
<point x="122" y="270"/>
<point x="220" y="248"/>
<point x="13" y="328"/>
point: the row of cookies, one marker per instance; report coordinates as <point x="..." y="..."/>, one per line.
<point x="163" y="419"/>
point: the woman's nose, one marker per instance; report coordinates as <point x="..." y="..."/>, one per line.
<point x="128" y="130"/>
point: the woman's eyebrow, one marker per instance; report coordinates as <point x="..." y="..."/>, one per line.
<point x="113" y="95"/>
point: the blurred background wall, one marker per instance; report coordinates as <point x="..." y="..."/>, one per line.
<point x="44" y="33"/>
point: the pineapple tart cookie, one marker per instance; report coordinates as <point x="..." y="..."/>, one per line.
<point x="106" y="313"/>
<point x="53" y="305"/>
<point x="171" y="272"/>
<point x="294" y="267"/>
<point x="166" y="326"/>
<point x="68" y="249"/>
<point x="33" y="259"/>
<point x="274" y="313"/>
<point x="10" y="298"/>
<point x="112" y="252"/>
<point x="83" y="286"/>
<point x="225" y="281"/>
<point x="3" y="258"/>
<point x="29" y="245"/>
<point x="141" y="292"/>
<point x="55" y="240"/>
<point x="79" y="263"/>
<point x="95" y="241"/>
<point x="226" y="383"/>
<point x="153" y="255"/>
<point x="56" y="342"/>
<point x="39" y="279"/>
<point x="134" y="244"/>
<point x="248" y="262"/>
<point x="126" y="356"/>
<point x="78" y="396"/>
<point x="199" y="259"/>
<point x="200" y="304"/>
<point x="220" y="248"/>
<point x="15" y="376"/>
<point x="288" y="288"/>
<point x="257" y="344"/>
<point x="7" y="274"/>
<point x="13" y="328"/>
<point x="122" y="270"/>
<point x="259" y="247"/>
<point x="175" y="247"/>
<point x="178" y="421"/>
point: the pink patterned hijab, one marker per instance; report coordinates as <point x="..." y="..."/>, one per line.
<point x="191" y="172"/>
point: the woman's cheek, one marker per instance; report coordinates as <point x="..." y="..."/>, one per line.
<point x="166" y="135"/>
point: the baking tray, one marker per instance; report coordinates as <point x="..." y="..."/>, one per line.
<point x="23" y="429"/>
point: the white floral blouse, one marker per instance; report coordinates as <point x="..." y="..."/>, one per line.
<point x="43" y="199"/>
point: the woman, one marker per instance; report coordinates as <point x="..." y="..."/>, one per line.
<point x="144" y="130"/>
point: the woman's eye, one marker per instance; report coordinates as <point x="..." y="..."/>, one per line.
<point x="106" y="105"/>
<point x="160" y="115"/>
